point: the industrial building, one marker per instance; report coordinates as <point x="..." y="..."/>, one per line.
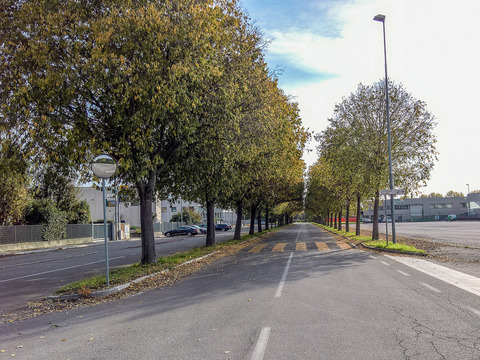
<point x="424" y="209"/>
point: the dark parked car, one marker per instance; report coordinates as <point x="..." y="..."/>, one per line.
<point x="202" y="230"/>
<point x="182" y="230"/>
<point x="225" y="227"/>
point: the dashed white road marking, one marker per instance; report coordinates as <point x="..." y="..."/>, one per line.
<point x="434" y="289"/>
<point x="373" y="257"/>
<point x="403" y="272"/>
<point x="385" y="263"/>
<point x="278" y="293"/>
<point x="262" y="341"/>
<point x="463" y="281"/>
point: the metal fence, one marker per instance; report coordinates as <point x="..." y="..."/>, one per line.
<point x="18" y="234"/>
<point x="99" y="231"/>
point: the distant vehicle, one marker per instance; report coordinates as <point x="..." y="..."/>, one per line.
<point x="367" y="220"/>
<point x="225" y="227"/>
<point x="202" y="230"/>
<point x="452" y="217"/>
<point x="182" y="230"/>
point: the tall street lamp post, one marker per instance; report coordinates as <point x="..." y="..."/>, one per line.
<point x="381" y="18"/>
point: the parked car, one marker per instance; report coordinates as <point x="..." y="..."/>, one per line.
<point x="452" y="217"/>
<point x="182" y="230"/>
<point x="202" y="230"/>
<point x="225" y="227"/>
<point x="366" y="220"/>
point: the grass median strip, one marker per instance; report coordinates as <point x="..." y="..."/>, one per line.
<point x="379" y="244"/>
<point x="400" y="247"/>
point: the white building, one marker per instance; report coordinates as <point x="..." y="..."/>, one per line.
<point x="170" y="208"/>
<point x="163" y="210"/>
<point x="129" y="214"/>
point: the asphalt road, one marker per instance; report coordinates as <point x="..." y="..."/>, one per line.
<point x="39" y="273"/>
<point x="316" y="299"/>
<point x="465" y="233"/>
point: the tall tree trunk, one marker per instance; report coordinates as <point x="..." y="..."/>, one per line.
<point x="210" y="222"/>
<point x="375" y="216"/>
<point x="335" y="220"/>
<point x="253" y="210"/>
<point x="359" y="212"/>
<point x="266" y="217"/>
<point x="146" y="195"/>
<point x="347" y="218"/>
<point x="238" y="225"/>
<point x="340" y="219"/>
<point x="327" y="218"/>
<point x="259" y="220"/>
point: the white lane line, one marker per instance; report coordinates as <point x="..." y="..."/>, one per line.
<point x="452" y="277"/>
<point x="384" y="263"/>
<point x="475" y="311"/>
<point x="434" y="289"/>
<point x="51" y="271"/>
<point x="373" y="257"/>
<point x="403" y="273"/>
<point x="298" y="234"/>
<point x="261" y="344"/>
<point x="278" y="293"/>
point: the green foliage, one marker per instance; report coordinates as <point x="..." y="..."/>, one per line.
<point x="165" y="87"/>
<point x="190" y="216"/>
<point x="52" y="184"/>
<point x="13" y="180"/>
<point x="46" y="213"/>
<point x="79" y="213"/>
<point x="432" y="195"/>
<point x="354" y="147"/>
<point x="452" y="193"/>
<point x="400" y="247"/>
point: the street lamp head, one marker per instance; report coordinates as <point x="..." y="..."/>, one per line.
<point x="379" y="17"/>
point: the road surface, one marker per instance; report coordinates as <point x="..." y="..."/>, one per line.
<point x="39" y="273"/>
<point x="298" y="295"/>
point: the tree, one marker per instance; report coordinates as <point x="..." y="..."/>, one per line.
<point x="13" y="183"/>
<point x="121" y="77"/>
<point x="432" y="195"/>
<point x="190" y="216"/>
<point x="363" y="116"/>
<point x="45" y="212"/>
<point x="452" y="193"/>
<point x="52" y="182"/>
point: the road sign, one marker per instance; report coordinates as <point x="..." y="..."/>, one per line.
<point x="392" y="192"/>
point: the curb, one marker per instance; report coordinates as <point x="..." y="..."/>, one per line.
<point x="115" y="289"/>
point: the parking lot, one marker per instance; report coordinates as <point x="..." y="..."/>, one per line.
<point x="463" y="233"/>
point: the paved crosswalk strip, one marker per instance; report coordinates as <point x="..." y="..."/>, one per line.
<point x="322" y="246"/>
<point x="279" y="247"/>
<point x="300" y="246"/>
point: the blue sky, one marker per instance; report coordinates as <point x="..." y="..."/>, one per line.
<point x="327" y="47"/>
